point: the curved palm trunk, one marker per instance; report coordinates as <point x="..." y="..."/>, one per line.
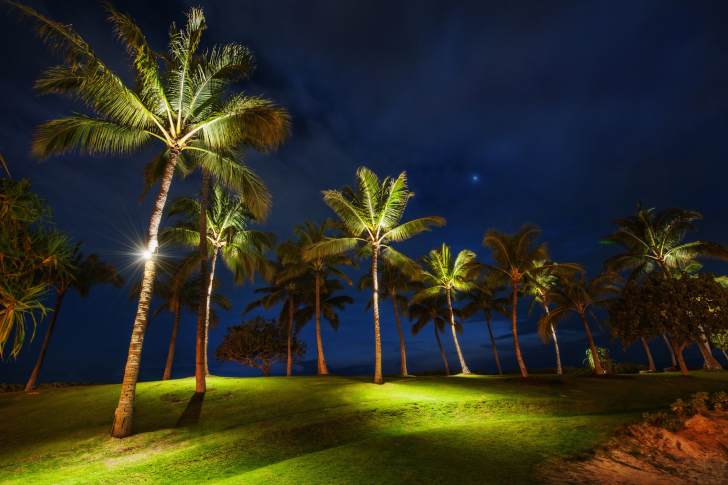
<point x="322" y="370"/>
<point x="403" y="369"/>
<point x="649" y="356"/>
<point x="444" y="359"/>
<point x="559" y="370"/>
<point x="672" y="352"/>
<point x="34" y="375"/>
<point x="122" y="416"/>
<point x="704" y="347"/>
<point x="726" y="355"/>
<point x="207" y="312"/>
<point x="290" y="332"/>
<point x="597" y="364"/>
<point x="377" y="339"/>
<point x="466" y="371"/>
<point x="492" y="340"/>
<point x="521" y="364"/>
<point x="200" y="383"/>
<point x="172" y="343"/>
<point x="678" y="351"/>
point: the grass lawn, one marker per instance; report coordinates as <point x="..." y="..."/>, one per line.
<point x="310" y="430"/>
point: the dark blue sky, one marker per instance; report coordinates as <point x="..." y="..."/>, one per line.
<point x="563" y="114"/>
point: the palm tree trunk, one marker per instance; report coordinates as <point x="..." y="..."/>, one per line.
<point x="122" y="416"/>
<point x="672" y="352"/>
<point x="200" y="383"/>
<point x="595" y="356"/>
<point x="521" y="364"/>
<point x="466" y="371"/>
<point x="707" y="353"/>
<point x="375" y="299"/>
<point x="649" y="356"/>
<point x="290" y="332"/>
<point x="322" y="370"/>
<point x="207" y="311"/>
<point x="34" y="375"/>
<point x="559" y="370"/>
<point x="678" y="352"/>
<point x="403" y="368"/>
<point x="726" y="355"/>
<point x="444" y="359"/>
<point x="172" y="343"/>
<point x="497" y="362"/>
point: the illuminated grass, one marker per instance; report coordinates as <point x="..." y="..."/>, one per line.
<point x="326" y="429"/>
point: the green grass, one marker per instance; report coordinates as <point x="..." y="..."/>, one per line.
<point x="310" y="430"/>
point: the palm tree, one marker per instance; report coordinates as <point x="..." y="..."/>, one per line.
<point x="576" y="294"/>
<point x="443" y="274"/>
<point x="326" y="307"/>
<point x="652" y="240"/>
<point x="393" y="283"/>
<point x="83" y="275"/>
<point x="227" y="220"/>
<point x="538" y="285"/>
<point x="514" y="256"/>
<point x="370" y="217"/>
<point x="481" y="297"/>
<point x="187" y="108"/>
<point x="433" y="310"/>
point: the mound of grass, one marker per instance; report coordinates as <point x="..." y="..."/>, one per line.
<point x="309" y="430"/>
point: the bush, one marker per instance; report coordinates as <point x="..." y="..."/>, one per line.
<point x="720" y="401"/>
<point x="663" y="420"/>
<point x="629" y="368"/>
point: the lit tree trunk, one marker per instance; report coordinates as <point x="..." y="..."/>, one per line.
<point x="704" y="347"/>
<point x="497" y="362"/>
<point x="207" y="311"/>
<point x="290" y="332"/>
<point x="444" y="359"/>
<point x="375" y="299"/>
<point x="172" y="343"/>
<point x="200" y="384"/>
<point x="322" y="370"/>
<point x="34" y="375"/>
<point x="524" y="371"/>
<point x="595" y="356"/>
<point x="559" y="370"/>
<point x="403" y="369"/>
<point x="122" y="416"/>
<point x="681" y="362"/>
<point x="466" y="371"/>
<point x="649" y="356"/>
<point x="672" y="352"/>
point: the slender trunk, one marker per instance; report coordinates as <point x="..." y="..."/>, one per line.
<point x="444" y="359"/>
<point x="672" y="352"/>
<point x="34" y="375"/>
<point x="290" y="332"/>
<point x="595" y="356"/>
<point x="466" y="371"/>
<point x="207" y="311"/>
<point x="521" y="364"/>
<point x="649" y="356"/>
<point x="559" y="369"/>
<point x="322" y="370"/>
<point x="375" y="299"/>
<point x="678" y="351"/>
<point x="122" y="416"/>
<point x="173" y="342"/>
<point x="200" y="383"/>
<point x="707" y="353"/>
<point x="497" y="362"/>
<point x="403" y="369"/>
<point x="724" y="354"/>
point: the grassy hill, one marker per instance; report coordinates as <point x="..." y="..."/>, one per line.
<point x="310" y="430"/>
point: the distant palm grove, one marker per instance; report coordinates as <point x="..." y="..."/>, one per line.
<point x="183" y="102"/>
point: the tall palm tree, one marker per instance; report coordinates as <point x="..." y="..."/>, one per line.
<point x="538" y="285"/>
<point x="482" y="297"/>
<point x="433" y="310"/>
<point x="575" y="294"/>
<point x="227" y="219"/>
<point x="313" y="302"/>
<point x="83" y="275"/>
<point x="370" y="217"/>
<point x="393" y="283"/>
<point x="655" y="239"/>
<point x="187" y="107"/>
<point x="443" y="274"/>
<point x="514" y="256"/>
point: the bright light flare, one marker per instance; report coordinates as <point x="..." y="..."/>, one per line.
<point x="147" y="255"/>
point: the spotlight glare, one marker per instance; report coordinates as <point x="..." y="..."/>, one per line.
<point x="147" y="255"/>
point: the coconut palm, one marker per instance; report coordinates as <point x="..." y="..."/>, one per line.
<point x="538" y="285"/>
<point x="482" y="297"/>
<point x="442" y="274"/>
<point x="433" y="310"/>
<point x="186" y="107"/>
<point x="370" y="217"/>
<point x="392" y="284"/>
<point x="82" y="275"/>
<point x="513" y="257"/>
<point x="575" y="294"/>
<point x="327" y="306"/>
<point x="227" y="219"/>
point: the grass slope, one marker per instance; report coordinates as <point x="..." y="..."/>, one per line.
<point x="310" y="430"/>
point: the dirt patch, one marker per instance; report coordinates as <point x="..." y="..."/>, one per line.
<point x="648" y="455"/>
<point x="139" y="456"/>
<point x="534" y="381"/>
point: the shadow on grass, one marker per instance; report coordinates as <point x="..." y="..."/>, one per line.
<point x="191" y="414"/>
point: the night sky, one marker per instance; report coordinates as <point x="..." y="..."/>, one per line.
<point x="563" y="114"/>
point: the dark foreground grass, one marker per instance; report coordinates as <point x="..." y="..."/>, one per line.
<point x="310" y="430"/>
